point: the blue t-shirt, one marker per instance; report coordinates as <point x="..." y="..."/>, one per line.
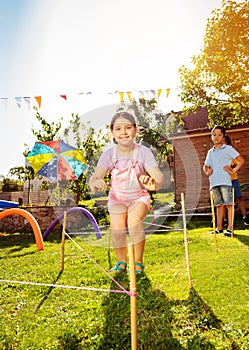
<point x="217" y="158"/>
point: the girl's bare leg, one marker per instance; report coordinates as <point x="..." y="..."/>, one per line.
<point x="118" y="226"/>
<point x="136" y="215"/>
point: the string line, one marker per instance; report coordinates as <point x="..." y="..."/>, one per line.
<point x="67" y="287"/>
<point x="98" y="265"/>
<point x="122" y="289"/>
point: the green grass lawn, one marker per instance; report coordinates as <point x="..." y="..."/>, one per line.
<point x="213" y="314"/>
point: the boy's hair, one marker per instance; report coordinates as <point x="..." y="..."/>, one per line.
<point x="219" y="127"/>
<point x="228" y="140"/>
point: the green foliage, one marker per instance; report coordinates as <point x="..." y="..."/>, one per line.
<point x="23" y="173"/>
<point x="219" y="79"/>
<point x="213" y="314"/>
<point x="91" y="143"/>
<point x="155" y="127"/>
<point x="9" y="185"/>
<point x="49" y="131"/>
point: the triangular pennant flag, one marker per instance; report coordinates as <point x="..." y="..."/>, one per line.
<point x="63" y="96"/>
<point x="4" y="101"/>
<point x="159" y="91"/>
<point x="167" y="92"/>
<point x="27" y="100"/>
<point x="129" y="94"/>
<point x="147" y="93"/>
<point x="121" y="96"/>
<point x="38" y="100"/>
<point x="153" y="92"/>
<point x="19" y="101"/>
<point x="112" y="92"/>
<point x="83" y="93"/>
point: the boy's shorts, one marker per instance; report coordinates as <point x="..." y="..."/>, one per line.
<point x="222" y="195"/>
<point x="237" y="191"/>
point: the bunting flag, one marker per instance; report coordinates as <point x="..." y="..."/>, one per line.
<point x="159" y="91"/>
<point x="129" y="94"/>
<point x="19" y="101"/>
<point x="38" y="100"/>
<point x="4" y="101"/>
<point x="27" y="100"/>
<point x="85" y="93"/>
<point x="123" y="95"/>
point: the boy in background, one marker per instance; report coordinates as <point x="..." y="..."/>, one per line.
<point x="238" y="198"/>
<point x="215" y="166"/>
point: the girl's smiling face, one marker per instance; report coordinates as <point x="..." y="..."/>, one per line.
<point x="123" y="131"/>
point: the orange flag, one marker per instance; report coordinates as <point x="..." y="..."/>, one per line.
<point x="38" y="100"/>
<point x="167" y="92"/>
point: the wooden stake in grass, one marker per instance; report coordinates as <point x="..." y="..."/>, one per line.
<point x="133" y="298"/>
<point x="213" y="220"/>
<point x="63" y="240"/>
<point x="186" y="240"/>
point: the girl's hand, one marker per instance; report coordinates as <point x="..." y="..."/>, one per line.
<point x="148" y="182"/>
<point x="98" y="185"/>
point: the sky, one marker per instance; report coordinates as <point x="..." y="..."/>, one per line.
<point x="89" y="50"/>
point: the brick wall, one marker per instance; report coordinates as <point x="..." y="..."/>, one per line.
<point x="36" y="197"/>
<point x="44" y="215"/>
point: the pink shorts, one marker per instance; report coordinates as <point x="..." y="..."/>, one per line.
<point x="143" y="198"/>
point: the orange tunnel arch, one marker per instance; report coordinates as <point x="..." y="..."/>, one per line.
<point x="31" y="220"/>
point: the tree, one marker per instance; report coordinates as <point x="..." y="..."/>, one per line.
<point x="49" y="131"/>
<point x="10" y="185"/>
<point x="90" y="142"/>
<point x="23" y="174"/>
<point x="219" y="79"/>
<point x="155" y="127"/>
